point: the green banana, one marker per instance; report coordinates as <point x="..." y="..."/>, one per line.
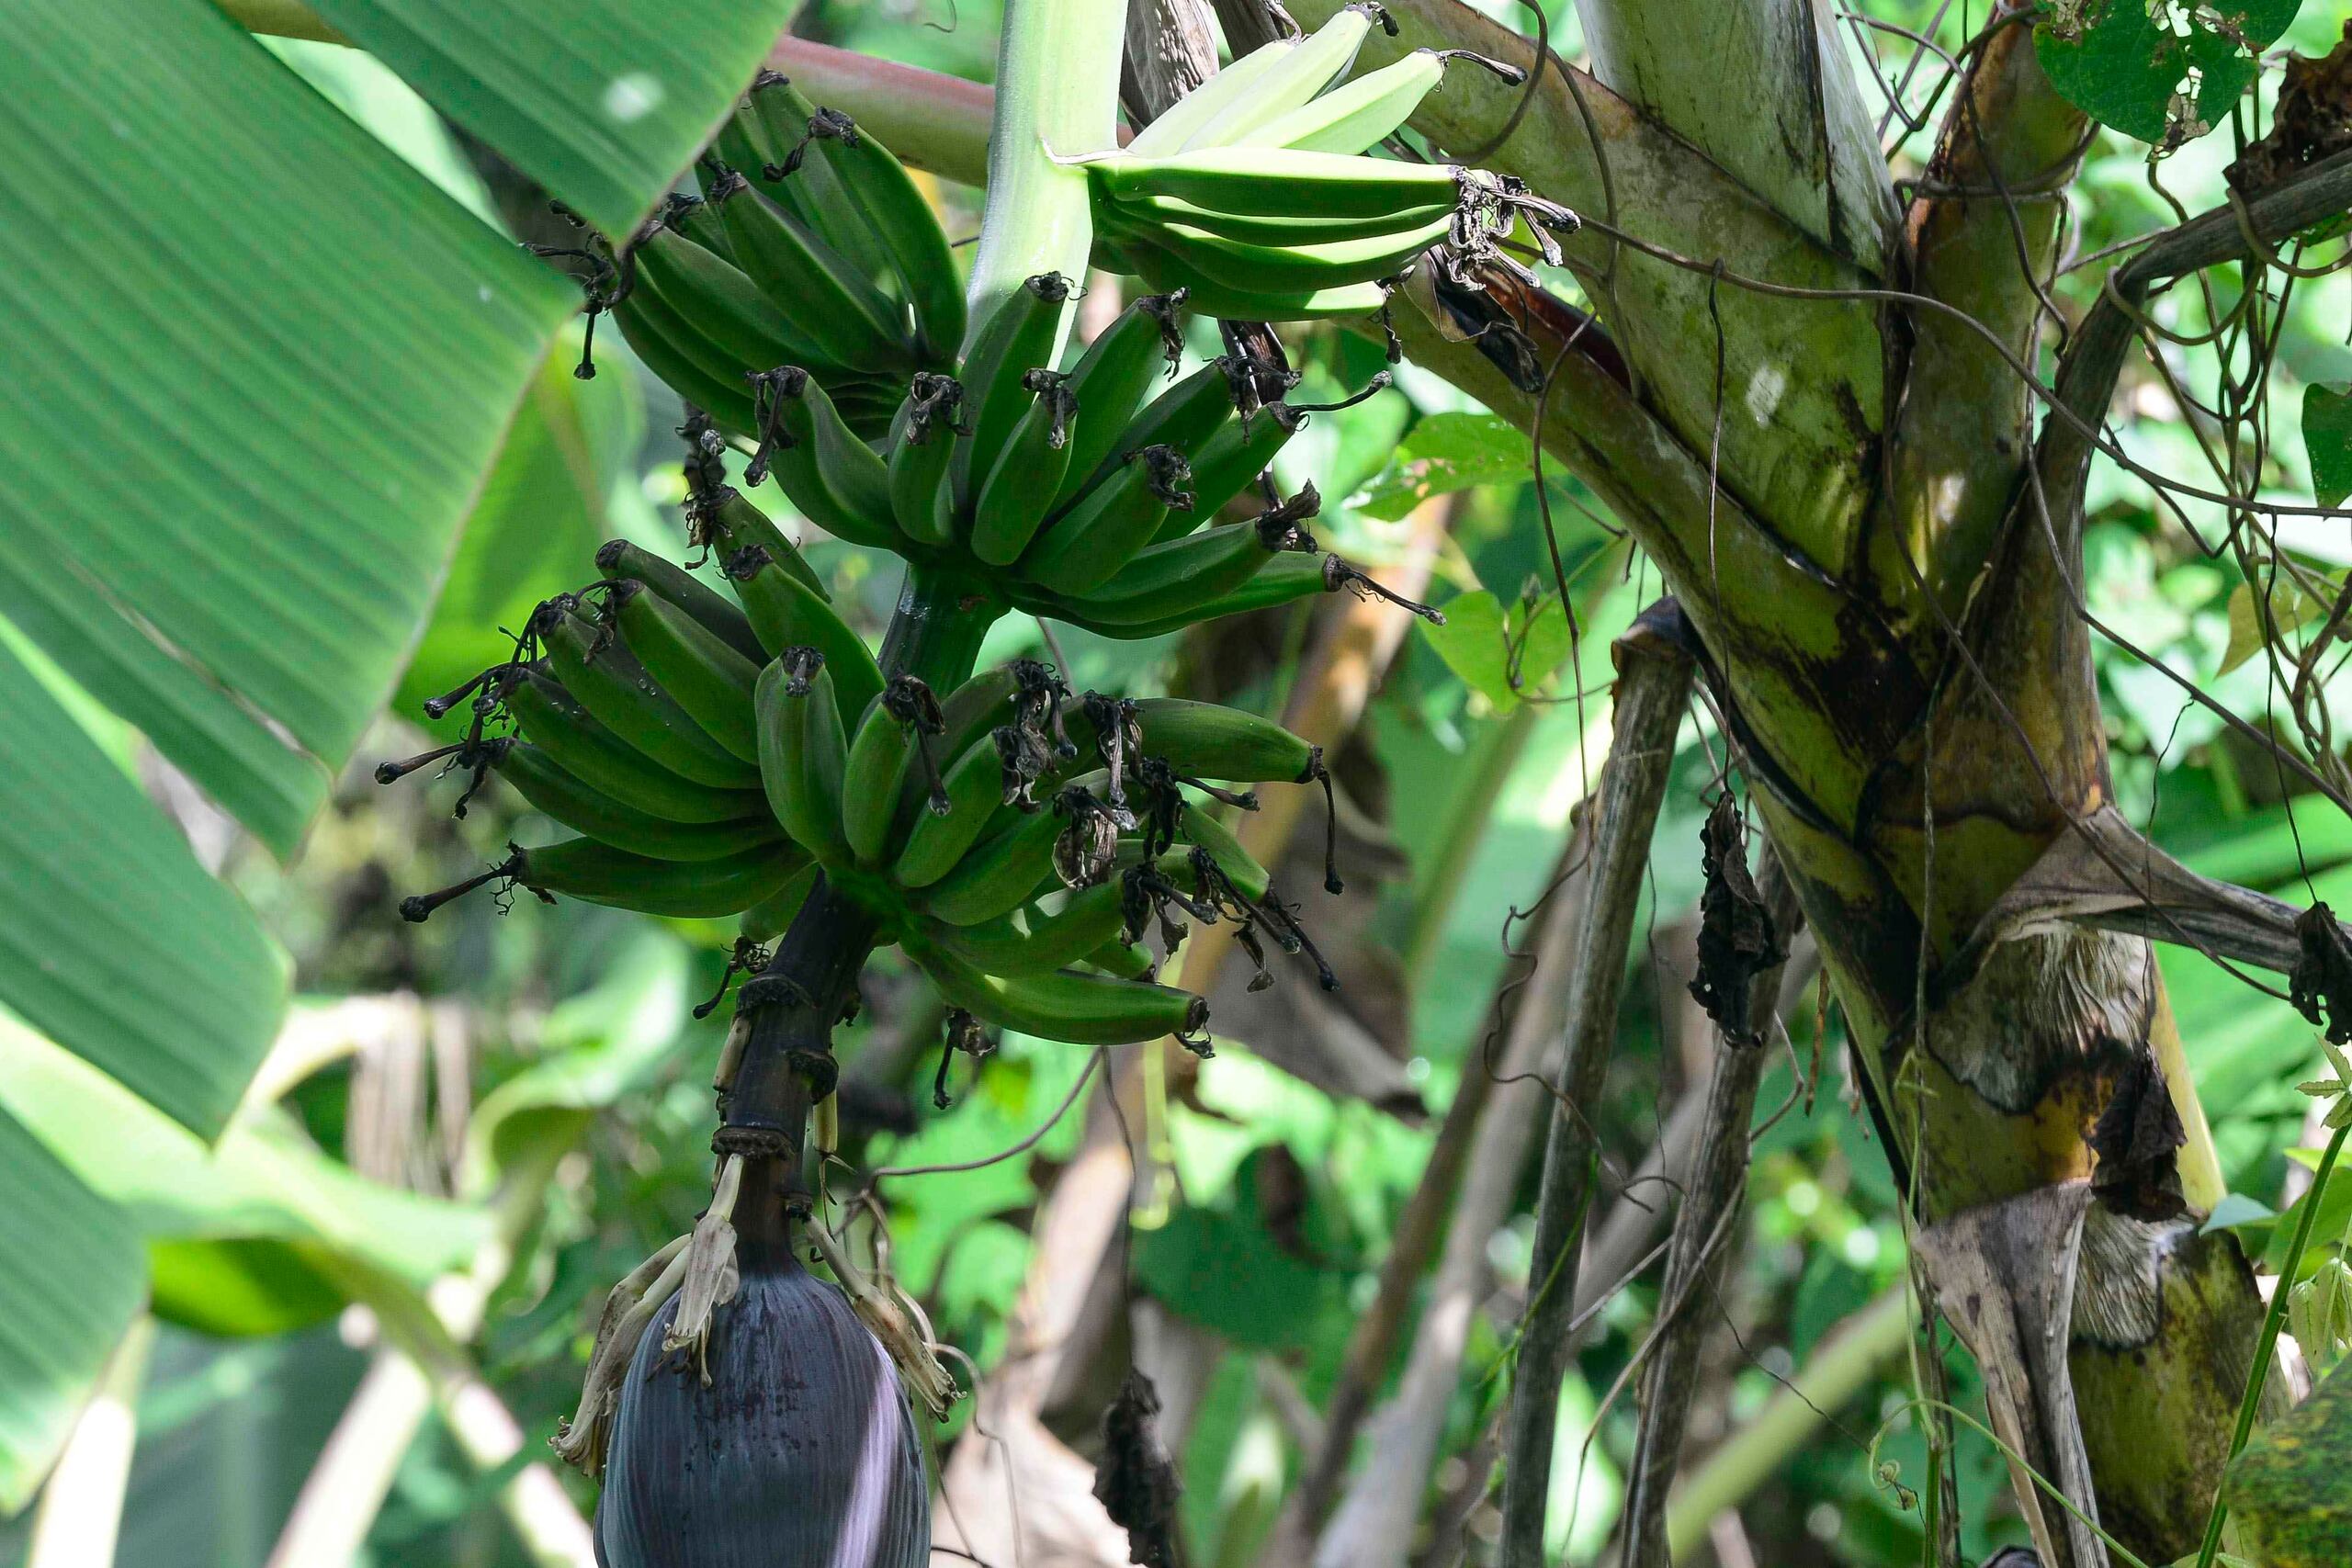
<point x="1279" y="582"/>
<point x="1000" y="873"/>
<point x="1286" y="269"/>
<point x="720" y="616"/>
<point x="1022" y="334"/>
<point x="906" y="226"/>
<point x="562" y="795"/>
<point x="811" y="188"/>
<point x="788" y="613"/>
<point x="1212" y="742"/>
<point x="1211" y="836"/>
<point x="924" y="435"/>
<point x="1099" y="535"/>
<point x="1318" y="61"/>
<point x="1209" y="294"/>
<point x="691" y="217"/>
<point x="1183" y="416"/>
<point x="1028" y="473"/>
<point x="810" y="284"/>
<point x="655" y="331"/>
<point x="553" y="720"/>
<point x="710" y="679"/>
<point x="1109" y="380"/>
<point x="1171" y="579"/>
<point x="599" y="873"/>
<point x="1190" y="114"/>
<point x="1269" y="181"/>
<point x="967" y="714"/>
<point x="733" y="523"/>
<point x="612" y="684"/>
<point x="1064" y="1004"/>
<point x="1093" y="918"/>
<point x="1275" y="228"/>
<point x="837" y="480"/>
<point x="1226" y="463"/>
<point x="898" y="728"/>
<point x="716" y="297"/>
<point x="1356" y="115"/>
<point x="1121" y="960"/>
<point x="937" y="842"/>
<point x="802" y="754"/>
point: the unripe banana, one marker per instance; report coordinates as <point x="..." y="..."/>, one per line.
<point x="923" y="438"/>
<point x="1174" y="578"/>
<point x="619" y="560"/>
<point x="1277" y="229"/>
<point x="1240" y="867"/>
<point x="1028" y="473"/>
<point x="1002" y="871"/>
<point x="1281" y="581"/>
<point x="1092" y="917"/>
<point x="903" y="221"/>
<point x="1323" y="57"/>
<point x="612" y="684"/>
<point x="599" y="873"/>
<point x="718" y="298"/>
<point x="802" y="753"/>
<point x="901" y="730"/>
<point x="1109" y="380"/>
<point x="810" y="187"/>
<point x="1183" y="416"/>
<point x="553" y="720"/>
<point x="731" y="523"/>
<point x="787" y="613"/>
<point x="710" y="679"/>
<point x="1121" y="960"/>
<point x="1023" y="334"/>
<point x="836" y="479"/>
<point x="1227" y="295"/>
<point x="1212" y="742"/>
<point x="1280" y="270"/>
<point x="654" y="331"/>
<point x="1269" y="181"/>
<point x="1356" y="115"/>
<point x="937" y="842"/>
<point x="818" y="292"/>
<point x="1189" y="115"/>
<point x="570" y="800"/>
<point x="1102" y="531"/>
<point x="1228" y="462"/>
<point x="1084" y="1009"/>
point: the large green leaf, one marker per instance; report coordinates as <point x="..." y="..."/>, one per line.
<point x="603" y="102"/>
<point x="116" y="941"/>
<point x="252" y="368"/>
<point x="72" y="1283"/>
<point x="2327" y="440"/>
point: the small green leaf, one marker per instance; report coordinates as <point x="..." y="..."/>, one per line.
<point x="2327" y="440"/>
<point x="2292" y="607"/>
<point x="1443" y="453"/>
<point x="1472" y="642"/>
<point x="2162" y="70"/>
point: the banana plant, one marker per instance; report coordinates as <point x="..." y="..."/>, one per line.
<point x="726" y="745"/>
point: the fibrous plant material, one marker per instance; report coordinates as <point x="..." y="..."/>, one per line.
<point x="1738" y="936"/>
<point x="1135" y="1481"/>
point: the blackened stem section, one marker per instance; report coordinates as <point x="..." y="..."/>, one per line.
<point x="792" y="1005"/>
<point x="1712" y="1193"/>
<point x="1652" y="687"/>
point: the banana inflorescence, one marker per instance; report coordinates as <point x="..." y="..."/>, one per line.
<point x="721" y="739"/>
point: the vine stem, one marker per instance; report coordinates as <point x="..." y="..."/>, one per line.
<point x="2268" y="1346"/>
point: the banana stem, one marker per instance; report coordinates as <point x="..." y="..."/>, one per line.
<point x="1057" y="95"/>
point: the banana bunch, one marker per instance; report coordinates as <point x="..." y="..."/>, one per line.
<point x="1250" y="194"/>
<point x="1073" y="494"/>
<point x="715" y="750"/>
<point x="810" y="246"/>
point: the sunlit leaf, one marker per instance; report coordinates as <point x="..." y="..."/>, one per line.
<point x="603" y="102"/>
<point x="2292" y="607"/>
<point x="2327" y="440"/>
<point x="1502" y="656"/>
<point x="2164" y="72"/>
<point x="1443" y="453"/>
